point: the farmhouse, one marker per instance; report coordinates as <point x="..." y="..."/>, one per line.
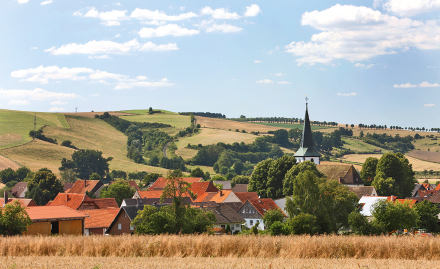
<point x="99" y="220"/>
<point x="224" y="216"/>
<point x="363" y="190"/>
<point x="82" y="202"/>
<point x="19" y="190"/>
<point x="254" y="210"/>
<point x="83" y="186"/>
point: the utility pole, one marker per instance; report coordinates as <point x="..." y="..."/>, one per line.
<point x="35" y="124"/>
<point x="76" y="109"/>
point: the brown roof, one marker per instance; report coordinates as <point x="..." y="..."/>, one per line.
<point x="435" y="198"/>
<point x="234" y="205"/>
<point x="224" y="214"/>
<point x="362" y="190"/>
<point x="160" y="183"/>
<point x="263" y="205"/>
<point x="244" y="196"/>
<point x="19" y="188"/>
<point x="67" y="186"/>
<point x="52" y="212"/>
<point x="240" y="188"/>
<point x="90" y="186"/>
<point x="131" y="183"/>
<point x="23" y="202"/>
<point x="345" y="174"/>
<point x="100" y="218"/>
<point x="205" y="197"/>
<point x="72" y="200"/>
<point x="426" y="193"/>
<point x="104" y="203"/>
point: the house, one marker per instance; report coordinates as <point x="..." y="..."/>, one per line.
<point x="426" y="194"/>
<point x="363" y="190"/>
<point x="345" y="174"/>
<point x="368" y="202"/>
<point x="244" y="196"/>
<point x="234" y="205"/>
<point x="23" y="202"/>
<point x="152" y="201"/>
<point x="82" y="202"/>
<point x="49" y="220"/>
<point x="222" y="196"/>
<point x="416" y="189"/>
<point x="161" y="182"/>
<point x="224" y="215"/>
<point x="226" y="184"/>
<point x="307" y="151"/>
<point x="99" y="220"/>
<point x="19" y="190"/>
<point x="131" y="183"/>
<point x="104" y="203"/>
<point x="254" y="210"/>
<point x="240" y="188"/>
<point x="83" y="186"/>
<point x="435" y="198"/>
<point x="281" y="203"/>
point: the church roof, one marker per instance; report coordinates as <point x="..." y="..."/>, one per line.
<point x="307" y="149"/>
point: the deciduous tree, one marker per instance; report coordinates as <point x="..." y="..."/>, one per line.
<point x="44" y="187"/>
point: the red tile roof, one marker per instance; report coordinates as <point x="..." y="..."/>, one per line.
<point x="426" y="193"/>
<point x="201" y="187"/>
<point x="103" y="203"/>
<point x="427" y="186"/>
<point x="52" y="212"/>
<point x="72" y="200"/>
<point x="150" y="194"/>
<point x="220" y="196"/>
<point x="100" y="218"/>
<point x="78" y="186"/>
<point x="263" y="205"/>
<point x="23" y="202"/>
<point x="438" y="187"/>
<point x="160" y="183"/>
<point x="244" y="196"/>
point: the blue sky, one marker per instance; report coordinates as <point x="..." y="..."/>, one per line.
<point x="370" y="62"/>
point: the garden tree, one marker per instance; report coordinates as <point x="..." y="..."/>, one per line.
<point x="359" y="224"/>
<point x="278" y="228"/>
<point x="238" y="167"/>
<point x="281" y="137"/>
<point x="21" y="173"/>
<point x="88" y="162"/>
<point x="68" y="176"/>
<point x="151" y="221"/>
<point x="302" y="223"/>
<point x="90" y="194"/>
<point x="294" y="171"/>
<point x="119" y="190"/>
<point x="7" y="175"/>
<point x="389" y="216"/>
<point x="258" y="180"/>
<point x="394" y="176"/>
<point x="198" y="172"/>
<point x="118" y="174"/>
<point x="276" y="174"/>
<point x="137" y="175"/>
<point x="218" y="178"/>
<point x="14" y="219"/>
<point x="95" y="176"/>
<point x="272" y="216"/>
<point x="152" y="177"/>
<point x="44" y="187"/>
<point x="368" y="171"/>
<point x="240" y="180"/>
<point x="428" y="215"/>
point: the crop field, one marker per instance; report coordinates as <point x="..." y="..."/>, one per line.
<point x="359" y="146"/>
<point x="213" y="136"/>
<point x="427" y="143"/>
<point x="6" y="163"/>
<point x="425" y="155"/>
<point x="224" y="124"/>
<point x="417" y="165"/>
<point x="292" y="126"/>
<point x="222" y="263"/>
<point x="15" y="125"/>
<point x="175" y="120"/>
<point x="186" y="153"/>
<point x="146" y="111"/>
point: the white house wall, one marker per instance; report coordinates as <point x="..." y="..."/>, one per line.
<point x="303" y="159"/>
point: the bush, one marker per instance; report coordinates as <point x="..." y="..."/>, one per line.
<point x="278" y="228"/>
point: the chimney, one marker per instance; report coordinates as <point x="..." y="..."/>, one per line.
<point x="85" y="183"/>
<point x="221" y="193"/>
<point x="6" y="198"/>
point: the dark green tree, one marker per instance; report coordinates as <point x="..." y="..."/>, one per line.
<point x="293" y="173"/>
<point x="368" y="171"/>
<point x="240" y="180"/>
<point x="44" y="187"/>
<point x="428" y="215"/>
<point x="389" y="216"/>
<point x="276" y="174"/>
<point x="258" y="180"/>
<point x="22" y="173"/>
<point x="238" y="167"/>
<point x="88" y="162"/>
<point x="119" y="190"/>
<point x="302" y="223"/>
<point x="281" y="137"/>
<point x="7" y="175"/>
<point x="272" y="216"/>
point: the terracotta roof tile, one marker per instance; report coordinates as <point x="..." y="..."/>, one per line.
<point x="202" y="187"/>
<point x="150" y="194"/>
<point x="67" y="186"/>
<point x="103" y="203"/>
<point x="52" y="212"/>
<point x="72" y="200"/>
<point x="100" y="218"/>
<point x="160" y="183"/>
<point x="438" y="187"/>
<point x="263" y="205"/>
<point x="220" y="196"/>
<point x="23" y="202"/>
<point x="91" y="186"/>
<point x="244" y="196"/>
<point x="426" y="193"/>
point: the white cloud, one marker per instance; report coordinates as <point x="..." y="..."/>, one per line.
<point x="58" y="103"/>
<point x="22" y="1"/>
<point x="429" y="105"/>
<point x="43" y="74"/>
<point x="252" y="10"/>
<point x="405" y="8"/>
<point x="107" y="47"/>
<point x="363" y="65"/>
<point x="224" y="28"/>
<point x="108" y="18"/>
<point x="118" y="35"/>
<point x="357" y="33"/>
<point x="276" y="49"/>
<point x="94" y="95"/>
<point x="182" y="8"/>
<point x="19" y="102"/>
<point x="145" y="14"/>
<point x="77" y="13"/>
<point x="421" y="85"/>
<point x="37" y="94"/>
<point x="266" y="81"/>
<point x="33" y="48"/>
<point x="279" y="74"/>
<point x="284" y="82"/>
<point x="144" y="84"/>
<point x="347" y="94"/>
<point x="141" y="78"/>
<point x="46" y="2"/>
<point x="169" y="29"/>
<point x="257" y="61"/>
<point x="105" y="56"/>
<point x="56" y="109"/>
<point x="219" y="13"/>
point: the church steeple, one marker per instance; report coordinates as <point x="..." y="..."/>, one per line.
<point x="307" y="152"/>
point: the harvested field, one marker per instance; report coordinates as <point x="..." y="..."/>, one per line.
<point x="233" y="125"/>
<point x="190" y="263"/>
<point x="186" y="153"/>
<point x="204" y="246"/>
<point x="5" y="163"/>
<point x="92" y="114"/>
<point x="425" y="155"/>
<point x="175" y="120"/>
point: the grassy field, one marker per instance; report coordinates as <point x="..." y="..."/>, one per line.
<point x="417" y="165"/>
<point x="359" y="146"/>
<point x="146" y="111"/>
<point x="292" y="126"/>
<point x="222" y="263"/>
<point x="15" y="125"/>
<point x="175" y="120"/>
<point x="427" y="143"/>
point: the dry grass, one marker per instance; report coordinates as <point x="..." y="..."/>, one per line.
<point x="92" y="114"/>
<point x="190" y="263"/>
<point x="213" y="136"/>
<point x="425" y="155"/>
<point x="7" y="163"/>
<point x="175" y="120"/>
<point x="186" y="153"/>
<point x="282" y="247"/>
<point x="427" y="143"/>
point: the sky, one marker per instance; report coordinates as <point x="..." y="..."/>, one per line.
<point x="370" y="62"/>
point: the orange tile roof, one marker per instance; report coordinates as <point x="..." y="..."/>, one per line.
<point x="244" y="196"/>
<point x="411" y="202"/>
<point x="103" y="203"/>
<point x="72" y="200"/>
<point x="438" y="187"/>
<point x="201" y="187"/>
<point x="100" y="218"/>
<point x="160" y="183"/>
<point x="220" y="196"/>
<point x="23" y="202"/>
<point x="78" y="186"/>
<point x="150" y="194"/>
<point x="263" y="205"/>
<point x="52" y="212"/>
<point x="427" y="186"/>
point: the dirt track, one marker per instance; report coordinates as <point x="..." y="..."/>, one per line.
<point x="5" y="163"/>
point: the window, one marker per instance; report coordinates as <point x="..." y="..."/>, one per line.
<point x="131" y="228"/>
<point x="119" y="226"/>
<point x="244" y="211"/>
<point x="223" y="226"/>
<point x="232" y="227"/>
<point x="251" y="222"/>
<point x="237" y="225"/>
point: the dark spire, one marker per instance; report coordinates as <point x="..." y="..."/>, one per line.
<point x="307" y="139"/>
